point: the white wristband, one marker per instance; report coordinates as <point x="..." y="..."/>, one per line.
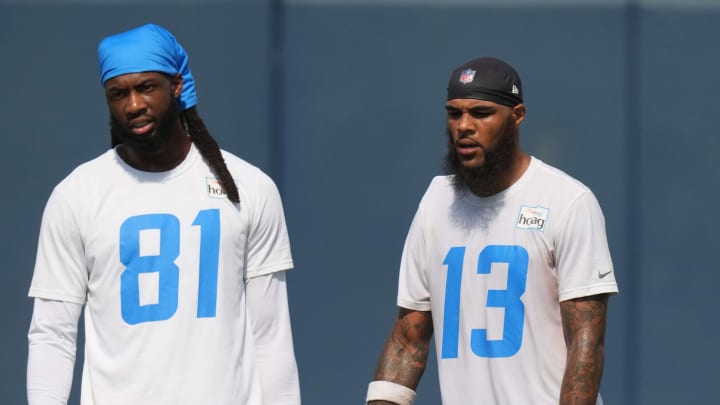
<point x="390" y="391"/>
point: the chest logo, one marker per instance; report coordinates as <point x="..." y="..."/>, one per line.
<point x="214" y="189"/>
<point x="532" y="218"/>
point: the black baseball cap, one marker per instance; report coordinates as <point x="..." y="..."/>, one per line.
<point x="488" y="79"/>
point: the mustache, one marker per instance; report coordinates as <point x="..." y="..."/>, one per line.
<point x="466" y="141"/>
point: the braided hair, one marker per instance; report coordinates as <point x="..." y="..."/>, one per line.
<point x="210" y="151"/>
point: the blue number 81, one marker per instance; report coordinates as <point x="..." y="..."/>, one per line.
<point x="163" y="263"/>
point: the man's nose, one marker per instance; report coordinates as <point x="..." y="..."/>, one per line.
<point x="136" y="103"/>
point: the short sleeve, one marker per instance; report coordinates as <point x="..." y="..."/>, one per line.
<point x="268" y="241"/>
<point x="413" y="286"/>
<point x="584" y="264"/>
<point x="60" y="272"/>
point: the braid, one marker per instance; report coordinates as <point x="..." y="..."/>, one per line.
<point x="210" y="150"/>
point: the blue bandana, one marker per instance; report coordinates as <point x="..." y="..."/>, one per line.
<point x="149" y="48"/>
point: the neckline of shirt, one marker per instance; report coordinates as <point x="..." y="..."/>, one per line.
<point x="187" y="162"/>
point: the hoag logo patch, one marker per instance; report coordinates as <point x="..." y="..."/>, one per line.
<point x="214" y="189"/>
<point x="532" y="218"/>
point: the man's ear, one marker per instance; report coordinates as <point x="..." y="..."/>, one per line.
<point x="518" y="113"/>
<point x="177" y="84"/>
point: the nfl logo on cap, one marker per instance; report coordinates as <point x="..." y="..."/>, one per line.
<point x="467" y="76"/>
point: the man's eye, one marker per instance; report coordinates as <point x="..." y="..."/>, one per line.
<point x="114" y="96"/>
<point x="480" y="114"/>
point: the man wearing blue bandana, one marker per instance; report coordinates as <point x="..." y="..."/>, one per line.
<point x="176" y="250"/>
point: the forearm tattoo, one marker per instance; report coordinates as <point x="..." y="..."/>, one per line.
<point x="584" y="329"/>
<point x="405" y="354"/>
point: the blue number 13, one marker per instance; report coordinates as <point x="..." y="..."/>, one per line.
<point x="163" y="263"/>
<point x="517" y="259"/>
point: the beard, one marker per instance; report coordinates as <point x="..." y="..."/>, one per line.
<point x="498" y="159"/>
<point x="150" y="142"/>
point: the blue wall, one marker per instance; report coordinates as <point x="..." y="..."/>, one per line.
<point x="347" y="115"/>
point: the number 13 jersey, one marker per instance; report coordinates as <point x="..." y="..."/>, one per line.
<point x="493" y="270"/>
<point x="160" y="262"/>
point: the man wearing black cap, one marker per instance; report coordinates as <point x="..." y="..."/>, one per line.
<point x="506" y="260"/>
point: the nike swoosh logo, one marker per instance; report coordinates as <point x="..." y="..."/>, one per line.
<point x="602" y="275"/>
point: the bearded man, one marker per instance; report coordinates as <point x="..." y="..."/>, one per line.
<point x="506" y="261"/>
<point x="176" y="249"/>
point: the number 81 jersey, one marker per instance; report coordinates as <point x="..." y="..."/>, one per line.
<point x="493" y="270"/>
<point x="160" y="260"/>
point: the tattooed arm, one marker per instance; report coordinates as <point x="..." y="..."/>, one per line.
<point x="584" y="329"/>
<point x="405" y="354"/>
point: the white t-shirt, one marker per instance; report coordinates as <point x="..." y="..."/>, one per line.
<point x="160" y="260"/>
<point x="493" y="270"/>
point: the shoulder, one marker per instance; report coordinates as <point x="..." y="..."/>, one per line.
<point x="253" y="183"/>
<point x="89" y="172"/>
<point x="440" y="186"/>
<point x="441" y="183"/>
<point x="558" y="179"/>
<point x="245" y="173"/>
<point x="556" y="188"/>
<point x="72" y="194"/>
<point x="562" y="194"/>
<point x="242" y="169"/>
<point x="439" y="194"/>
